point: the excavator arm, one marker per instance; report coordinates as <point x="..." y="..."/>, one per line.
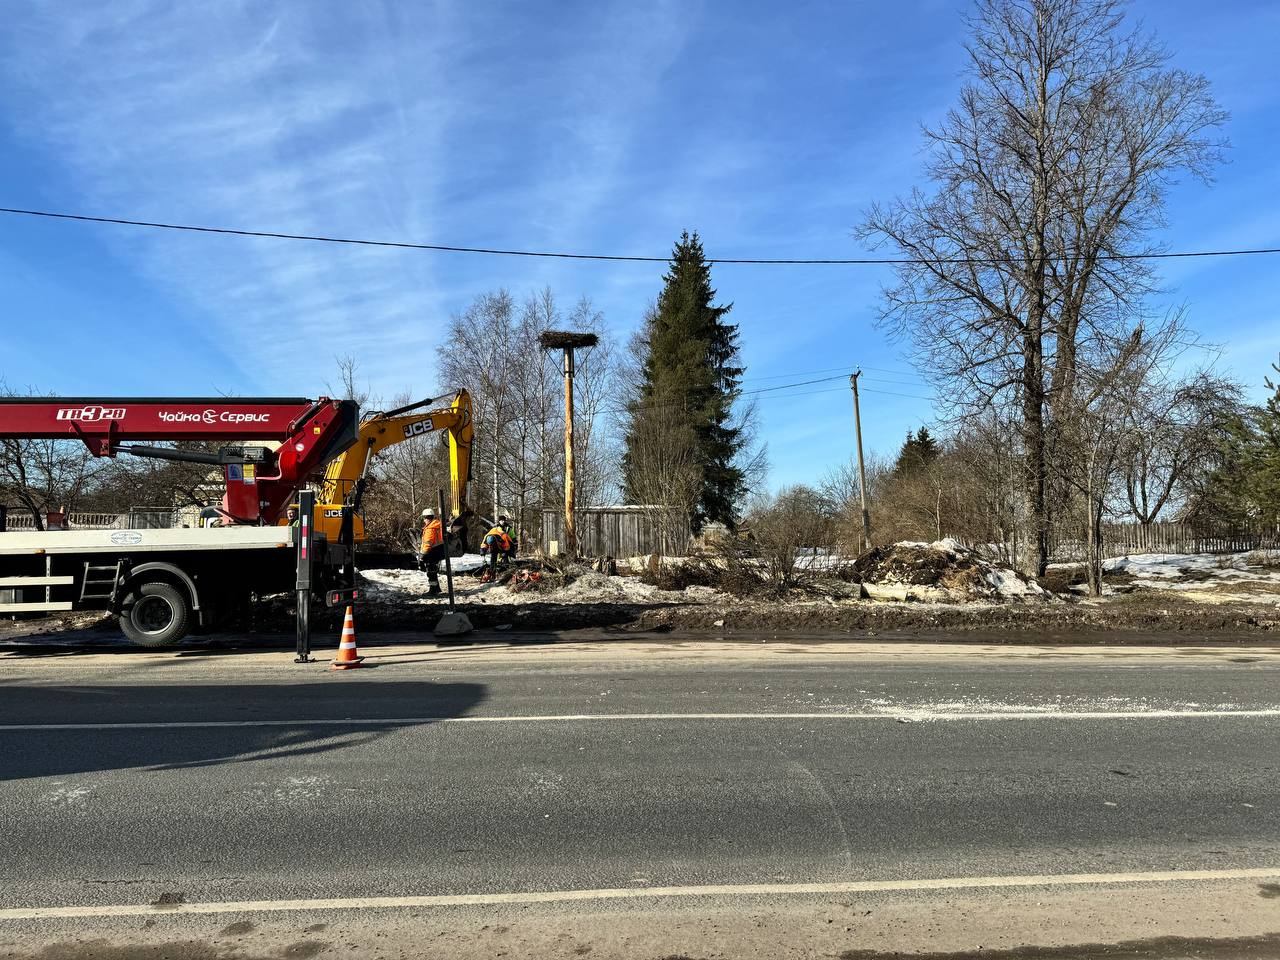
<point x="343" y="476"/>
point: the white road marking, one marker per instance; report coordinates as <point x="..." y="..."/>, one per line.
<point x="637" y="893"/>
<point x="906" y="714"/>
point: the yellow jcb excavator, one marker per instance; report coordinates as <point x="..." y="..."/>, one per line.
<point x="344" y="478"/>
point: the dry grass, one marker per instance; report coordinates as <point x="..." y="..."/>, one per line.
<point x="1270" y="587"/>
<point x="1264" y="559"/>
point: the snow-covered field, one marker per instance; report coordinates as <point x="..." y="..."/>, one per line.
<point x="1232" y="576"/>
<point x="1250" y="577"/>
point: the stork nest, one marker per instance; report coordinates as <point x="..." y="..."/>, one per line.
<point x="566" y="340"/>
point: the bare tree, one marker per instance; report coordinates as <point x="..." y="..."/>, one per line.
<point x="517" y="395"/>
<point x="348" y="386"/>
<point x="840" y="491"/>
<point x="1051" y="174"/>
<point x="42" y="475"/>
<point x="480" y="360"/>
<point x="668" y="479"/>
<point x="1174" y="435"/>
<point x="1093" y="433"/>
<point x="796" y="519"/>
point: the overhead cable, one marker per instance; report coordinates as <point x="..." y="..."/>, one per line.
<point x="558" y="255"/>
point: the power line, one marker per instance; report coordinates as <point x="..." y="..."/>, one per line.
<point x="796" y="373"/>
<point x="892" y="393"/>
<point x="801" y="383"/>
<point x="846" y="369"/>
<point x="905" y="373"/>
<point x="811" y="393"/>
<point x="493" y="251"/>
<point x="676" y="404"/>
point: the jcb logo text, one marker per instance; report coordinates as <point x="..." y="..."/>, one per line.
<point x="418" y="429"/>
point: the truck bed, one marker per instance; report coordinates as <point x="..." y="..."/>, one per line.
<point x="53" y="542"/>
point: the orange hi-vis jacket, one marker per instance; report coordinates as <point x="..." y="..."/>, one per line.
<point x="503" y="539"/>
<point x="431" y="534"/>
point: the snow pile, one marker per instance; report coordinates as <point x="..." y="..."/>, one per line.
<point x="590" y="586"/>
<point x="585" y="586"/>
<point x="942" y="570"/>
<point x="412" y="585"/>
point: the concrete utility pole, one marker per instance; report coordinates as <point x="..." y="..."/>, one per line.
<point x="568" y="342"/>
<point x="862" y="473"/>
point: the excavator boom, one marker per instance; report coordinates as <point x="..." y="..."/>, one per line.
<point x="450" y="413"/>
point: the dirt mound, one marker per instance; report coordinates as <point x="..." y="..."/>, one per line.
<point x="944" y="570"/>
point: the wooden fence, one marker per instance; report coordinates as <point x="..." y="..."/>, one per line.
<point x="622" y="531"/>
<point x="1123" y="539"/>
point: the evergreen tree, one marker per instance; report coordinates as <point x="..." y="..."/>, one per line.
<point x="1246" y="485"/>
<point x="691" y="374"/>
<point x="918" y="450"/>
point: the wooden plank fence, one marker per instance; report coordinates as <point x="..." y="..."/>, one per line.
<point x="620" y="531"/>
<point x="1123" y="539"/>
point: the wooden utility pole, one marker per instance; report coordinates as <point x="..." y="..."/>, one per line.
<point x="570" y="533"/>
<point x="568" y="342"/>
<point x="862" y="473"/>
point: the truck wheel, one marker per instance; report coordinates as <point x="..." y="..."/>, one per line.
<point x="158" y="616"/>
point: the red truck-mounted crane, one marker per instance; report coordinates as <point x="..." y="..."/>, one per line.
<point x="161" y="580"/>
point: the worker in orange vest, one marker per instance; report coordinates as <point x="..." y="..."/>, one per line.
<point x="498" y="543"/>
<point x="431" y="549"/>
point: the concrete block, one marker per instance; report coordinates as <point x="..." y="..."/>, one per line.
<point x="453" y="624"/>
<point x="886" y="591"/>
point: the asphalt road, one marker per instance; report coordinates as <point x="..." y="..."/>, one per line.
<point x="138" y="783"/>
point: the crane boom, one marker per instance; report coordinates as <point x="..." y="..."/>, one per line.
<point x="310" y="433"/>
<point x="103" y="423"/>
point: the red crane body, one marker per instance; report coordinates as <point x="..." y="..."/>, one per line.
<point x="259" y="486"/>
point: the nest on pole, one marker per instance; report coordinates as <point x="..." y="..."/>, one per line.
<point x="566" y="340"/>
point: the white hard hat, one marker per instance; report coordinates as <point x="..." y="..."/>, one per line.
<point x="428" y="512"/>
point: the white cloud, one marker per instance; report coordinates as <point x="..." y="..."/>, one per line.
<point x="392" y="121"/>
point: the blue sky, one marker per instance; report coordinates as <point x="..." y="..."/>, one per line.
<point x="595" y="127"/>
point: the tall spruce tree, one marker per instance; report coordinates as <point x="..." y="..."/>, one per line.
<point x="691" y="373"/>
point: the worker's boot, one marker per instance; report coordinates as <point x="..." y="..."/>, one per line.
<point x="434" y="590"/>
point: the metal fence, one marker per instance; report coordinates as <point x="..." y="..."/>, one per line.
<point x="139" y="518"/>
<point x="620" y="531"/>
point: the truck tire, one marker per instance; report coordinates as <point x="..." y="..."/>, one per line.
<point x="157" y="616"/>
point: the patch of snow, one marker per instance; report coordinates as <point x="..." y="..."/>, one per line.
<point x="805" y="560"/>
<point x="1172" y="565"/>
<point x="1196" y="575"/>
<point x="1008" y="583"/>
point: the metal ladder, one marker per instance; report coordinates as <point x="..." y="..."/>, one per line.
<point x="99" y="582"/>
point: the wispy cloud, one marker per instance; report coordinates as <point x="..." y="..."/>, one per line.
<point x="603" y="126"/>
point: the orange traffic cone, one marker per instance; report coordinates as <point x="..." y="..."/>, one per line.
<point x="346" y="658"/>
